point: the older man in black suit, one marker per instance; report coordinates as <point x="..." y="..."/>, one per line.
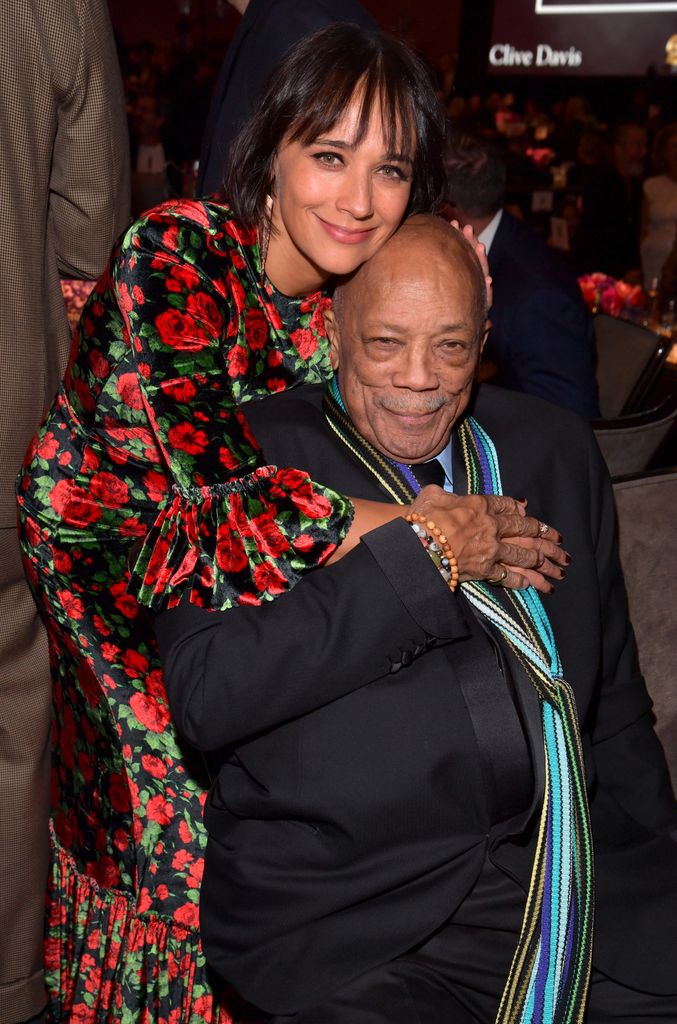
<point x="376" y="737"/>
<point x="541" y="334"/>
<point x="269" y="28"/>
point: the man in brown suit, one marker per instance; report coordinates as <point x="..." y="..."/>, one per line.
<point x="64" y="168"/>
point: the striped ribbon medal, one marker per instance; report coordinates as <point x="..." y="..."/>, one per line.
<point x="549" y="975"/>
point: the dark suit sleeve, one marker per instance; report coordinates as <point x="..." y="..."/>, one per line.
<point x="285" y="23"/>
<point x="629" y="759"/>
<point x="549" y="343"/>
<point x="231" y="675"/>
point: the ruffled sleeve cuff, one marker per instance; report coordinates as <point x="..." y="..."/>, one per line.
<point x="241" y="542"/>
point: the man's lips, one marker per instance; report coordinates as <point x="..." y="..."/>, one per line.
<point x="345" y="235"/>
<point x="412" y="418"/>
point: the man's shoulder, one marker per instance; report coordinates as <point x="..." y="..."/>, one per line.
<point x="526" y="419"/>
<point x="290" y="413"/>
<point x="306" y="400"/>
<point x="542" y="449"/>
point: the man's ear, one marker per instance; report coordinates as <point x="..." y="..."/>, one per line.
<point x="331" y="326"/>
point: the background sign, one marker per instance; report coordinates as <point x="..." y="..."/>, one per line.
<point x="584" y="37"/>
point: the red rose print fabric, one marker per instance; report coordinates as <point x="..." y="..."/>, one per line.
<point x="145" y="485"/>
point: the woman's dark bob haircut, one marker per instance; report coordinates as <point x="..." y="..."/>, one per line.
<point x="309" y="91"/>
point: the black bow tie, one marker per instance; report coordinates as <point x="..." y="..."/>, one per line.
<point x="429" y="473"/>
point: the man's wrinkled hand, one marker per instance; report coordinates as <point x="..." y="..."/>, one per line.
<point x="494" y="539"/>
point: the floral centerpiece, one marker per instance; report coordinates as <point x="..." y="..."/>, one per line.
<point x="75" y="294"/>
<point x="604" y="294"/>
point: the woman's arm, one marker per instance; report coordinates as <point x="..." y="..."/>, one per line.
<point x="199" y="334"/>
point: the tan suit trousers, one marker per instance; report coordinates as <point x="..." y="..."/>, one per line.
<point x="25" y="703"/>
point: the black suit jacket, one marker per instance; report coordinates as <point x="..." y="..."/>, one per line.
<point x="353" y="803"/>
<point x="541" y="335"/>
<point x="267" y="30"/>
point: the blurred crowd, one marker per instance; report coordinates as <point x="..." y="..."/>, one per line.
<point x="603" y="192"/>
<point x="168" y="86"/>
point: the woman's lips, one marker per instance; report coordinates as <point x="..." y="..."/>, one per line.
<point x="344" y="235"/>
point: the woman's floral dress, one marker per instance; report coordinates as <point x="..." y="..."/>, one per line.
<point x="143" y="485"/>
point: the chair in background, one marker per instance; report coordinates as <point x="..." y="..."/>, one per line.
<point x="647" y="517"/>
<point x="628" y="443"/>
<point x="629" y="358"/>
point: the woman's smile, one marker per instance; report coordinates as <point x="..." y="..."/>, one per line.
<point x="346" y="236"/>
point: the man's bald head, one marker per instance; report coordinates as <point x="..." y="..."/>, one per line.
<point x="415" y="242"/>
<point x="406" y="333"/>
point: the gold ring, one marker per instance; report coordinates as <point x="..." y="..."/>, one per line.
<point x="543" y="529"/>
<point x="499" y="579"/>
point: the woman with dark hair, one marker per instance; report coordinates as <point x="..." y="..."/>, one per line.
<point x="145" y="485"/>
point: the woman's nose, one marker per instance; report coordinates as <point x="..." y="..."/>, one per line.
<point x="356" y="196"/>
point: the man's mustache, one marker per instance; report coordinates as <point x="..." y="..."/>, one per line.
<point x="423" y="404"/>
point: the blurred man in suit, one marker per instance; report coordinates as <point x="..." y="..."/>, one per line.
<point x="608" y="238"/>
<point x="268" y="29"/>
<point x="541" y="334"/>
<point x="64" y="166"/>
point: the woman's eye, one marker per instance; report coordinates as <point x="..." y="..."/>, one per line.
<point x="391" y="171"/>
<point x="328" y="159"/>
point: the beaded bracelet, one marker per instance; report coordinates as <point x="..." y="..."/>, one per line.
<point x="437" y="546"/>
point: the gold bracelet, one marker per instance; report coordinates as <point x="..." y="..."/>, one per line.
<point x="437" y="546"/>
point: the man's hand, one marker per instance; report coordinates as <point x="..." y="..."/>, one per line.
<point x="494" y="539"/>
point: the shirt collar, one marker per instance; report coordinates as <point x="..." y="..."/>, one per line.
<point x="486" y="236"/>
<point x="444" y="459"/>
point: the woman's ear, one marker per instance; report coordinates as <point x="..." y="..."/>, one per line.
<point x="331" y="326"/>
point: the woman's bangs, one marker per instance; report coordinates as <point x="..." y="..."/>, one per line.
<point x="324" y="107"/>
<point x="372" y="87"/>
<point x="397" y="116"/>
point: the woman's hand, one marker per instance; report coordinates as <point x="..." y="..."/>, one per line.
<point x="481" y="252"/>
<point x="494" y="539"/>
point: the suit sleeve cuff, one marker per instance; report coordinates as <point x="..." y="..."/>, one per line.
<point x="417" y="582"/>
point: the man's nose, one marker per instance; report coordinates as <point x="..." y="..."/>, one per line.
<point x="417" y="372"/>
<point x="356" y="197"/>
